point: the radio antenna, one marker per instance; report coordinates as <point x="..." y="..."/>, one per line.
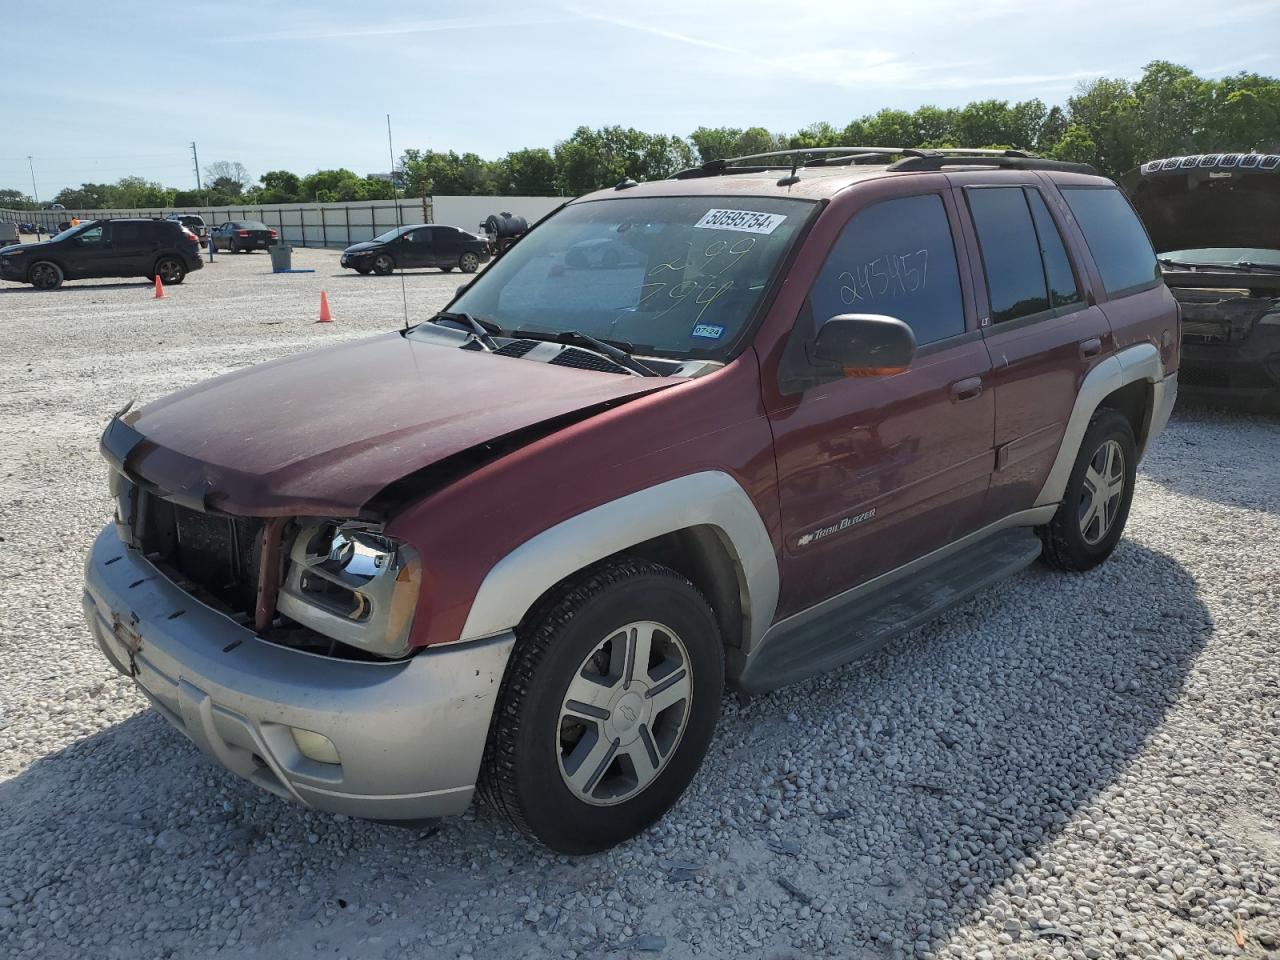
<point x="395" y="192"/>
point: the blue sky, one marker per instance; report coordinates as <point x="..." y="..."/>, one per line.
<point x="108" y="89"/>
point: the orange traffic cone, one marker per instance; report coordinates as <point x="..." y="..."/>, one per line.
<point x="325" y="315"/>
<point x="159" y="288"/>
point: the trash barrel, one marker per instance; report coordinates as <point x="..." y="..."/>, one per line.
<point x="281" y="257"/>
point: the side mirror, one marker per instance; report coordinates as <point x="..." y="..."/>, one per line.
<point x="863" y="345"/>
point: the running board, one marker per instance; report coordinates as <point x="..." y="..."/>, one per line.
<point x="850" y="626"/>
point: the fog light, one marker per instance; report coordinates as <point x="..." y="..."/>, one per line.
<point x="315" y="746"/>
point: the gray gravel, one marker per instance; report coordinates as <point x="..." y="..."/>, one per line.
<point x="1077" y="767"/>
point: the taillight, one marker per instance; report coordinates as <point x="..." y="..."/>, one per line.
<point x="274" y="234"/>
<point x="191" y="236"/>
<point x="243" y="233"/>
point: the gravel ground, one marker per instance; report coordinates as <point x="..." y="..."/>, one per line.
<point x="1065" y="766"/>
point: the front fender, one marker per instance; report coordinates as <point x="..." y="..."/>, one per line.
<point x="710" y="498"/>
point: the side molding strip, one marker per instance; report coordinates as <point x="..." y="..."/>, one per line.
<point x="711" y="498"/>
<point x="1139" y="362"/>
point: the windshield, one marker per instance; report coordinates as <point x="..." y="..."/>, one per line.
<point x="673" y="276"/>
<point x="72" y="231"/>
<point x="1228" y="256"/>
<point x="388" y="236"/>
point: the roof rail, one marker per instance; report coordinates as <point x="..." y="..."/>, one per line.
<point x="913" y="158"/>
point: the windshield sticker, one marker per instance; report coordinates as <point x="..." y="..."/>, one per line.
<point x="708" y="331"/>
<point x="744" y="221"/>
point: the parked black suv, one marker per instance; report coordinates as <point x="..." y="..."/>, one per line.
<point x="1212" y="218"/>
<point x="420" y="245"/>
<point x="105" y="248"/>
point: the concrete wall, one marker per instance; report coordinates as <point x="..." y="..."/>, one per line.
<point x="326" y="224"/>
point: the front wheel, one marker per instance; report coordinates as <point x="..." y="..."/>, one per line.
<point x="383" y="265"/>
<point x="45" y="275"/>
<point x="469" y="263"/>
<point x="1095" y="505"/>
<point x="363" y="270"/>
<point x="170" y="271"/>
<point x="609" y="703"/>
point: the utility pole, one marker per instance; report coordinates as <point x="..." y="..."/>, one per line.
<point x="35" y="194"/>
<point x="195" y="159"/>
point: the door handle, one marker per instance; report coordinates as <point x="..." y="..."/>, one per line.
<point x="966" y="389"/>
<point x="1091" y="347"/>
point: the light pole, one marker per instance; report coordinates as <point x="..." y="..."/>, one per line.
<point x="35" y="194"/>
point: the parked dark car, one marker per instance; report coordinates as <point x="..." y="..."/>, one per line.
<point x="243" y="236"/>
<point x="521" y="547"/>
<point x="1212" y="218"/>
<point x="420" y="245"/>
<point x="192" y="222"/>
<point x="105" y="248"/>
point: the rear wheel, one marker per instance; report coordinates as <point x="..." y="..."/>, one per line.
<point x="45" y="275"/>
<point x="383" y="265"/>
<point x="1095" y="506"/>
<point x="610" y="700"/>
<point x="170" y="270"/>
<point x="469" y="262"/>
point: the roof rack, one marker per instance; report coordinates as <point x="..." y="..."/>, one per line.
<point x="913" y="158"/>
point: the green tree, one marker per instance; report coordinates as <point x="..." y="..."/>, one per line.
<point x="279" y="186"/>
<point x="1105" y="109"/>
<point x="1075" y="145"/>
<point x="88" y="196"/>
<point x="526" y="173"/>
<point x="16" y="200"/>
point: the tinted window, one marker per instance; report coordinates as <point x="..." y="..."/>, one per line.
<point x="254" y="225"/>
<point x="1010" y="252"/>
<point x="897" y="258"/>
<point x="1057" y="268"/>
<point x="1116" y="239"/>
<point x="126" y="233"/>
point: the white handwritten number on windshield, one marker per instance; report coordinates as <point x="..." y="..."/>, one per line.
<point x="717" y="257"/>
<point x="885" y="276"/>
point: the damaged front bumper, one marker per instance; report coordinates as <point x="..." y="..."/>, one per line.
<point x="408" y="734"/>
<point x="1230" y="347"/>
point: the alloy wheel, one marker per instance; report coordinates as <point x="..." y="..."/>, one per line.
<point x="469" y="263"/>
<point x="624" y="713"/>
<point x="1102" y="492"/>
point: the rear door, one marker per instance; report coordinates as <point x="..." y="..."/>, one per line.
<point x="1041" y="330"/>
<point x="130" y="248"/>
<point x="448" y="246"/>
<point x="875" y="472"/>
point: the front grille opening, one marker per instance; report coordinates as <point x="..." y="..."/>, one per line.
<point x="288" y="633"/>
<point x="217" y="555"/>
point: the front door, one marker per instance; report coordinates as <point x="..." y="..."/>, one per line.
<point x="1041" y="333"/>
<point x="874" y="472"/>
<point x="418" y="248"/>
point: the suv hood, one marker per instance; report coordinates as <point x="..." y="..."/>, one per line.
<point x="325" y="433"/>
<point x="1215" y="200"/>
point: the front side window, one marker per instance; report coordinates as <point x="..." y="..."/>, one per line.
<point x="90" y="238"/>
<point x="1116" y="238"/>
<point x="672" y="276"/>
<point x="897" y="258"/>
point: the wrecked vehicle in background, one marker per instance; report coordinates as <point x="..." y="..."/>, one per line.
<point x="1215" y="222"/>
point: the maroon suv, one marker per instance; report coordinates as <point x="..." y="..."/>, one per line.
<point x="789" y="407"/>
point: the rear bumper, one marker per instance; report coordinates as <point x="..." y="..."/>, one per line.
<point x="409" y="734"/>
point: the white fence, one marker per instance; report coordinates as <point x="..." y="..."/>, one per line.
<point x="324" y="224"/>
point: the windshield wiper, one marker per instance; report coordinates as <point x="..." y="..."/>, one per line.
<point x="483" y="329"/>
<point x="577" y="338"/>
<point x="1244" y="265"/>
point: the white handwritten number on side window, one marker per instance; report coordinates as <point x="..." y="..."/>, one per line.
<point x="885" y="276"/>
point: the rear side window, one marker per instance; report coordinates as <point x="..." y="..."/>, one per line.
<point x="897" y="258"/>
<point x="1010" y="252"/>
<point x="126" y="233"/>
<point x="1116" y="239"/>
<point x="1063" y="291"/>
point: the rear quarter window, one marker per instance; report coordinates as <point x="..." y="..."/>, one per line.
<point x="1116" y="238"/>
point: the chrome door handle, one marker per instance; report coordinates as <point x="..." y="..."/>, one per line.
<point x="1091" y="347"/>
<point x="966" y="389"/>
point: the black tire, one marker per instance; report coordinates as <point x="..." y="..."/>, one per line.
<point x="469" y="262"/>
<point x="363" y="270"/>
<point x="171" y="271"/>
<point x="521" y="776"/>
<point x="383" y="265"/>
<point x="1069" y="542"/>
<point x="234" y="248"/>
<point x="45" y="275"/>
